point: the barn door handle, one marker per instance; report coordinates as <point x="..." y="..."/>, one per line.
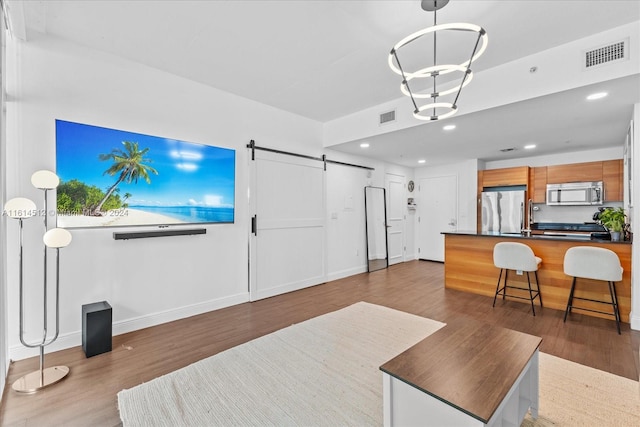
<point x="254" y="225"/>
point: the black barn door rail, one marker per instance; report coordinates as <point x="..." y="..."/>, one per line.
<point x="253" y="147"/>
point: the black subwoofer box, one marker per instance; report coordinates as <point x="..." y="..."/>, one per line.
<point x="96" y="328"/>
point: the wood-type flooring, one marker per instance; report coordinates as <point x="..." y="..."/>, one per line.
<point x="87" y="397"/>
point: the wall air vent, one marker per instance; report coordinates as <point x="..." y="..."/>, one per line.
<point x="389" y="116"/>
<point x="613" y="52"/>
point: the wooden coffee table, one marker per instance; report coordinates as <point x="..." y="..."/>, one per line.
<point x="466" y="374"/>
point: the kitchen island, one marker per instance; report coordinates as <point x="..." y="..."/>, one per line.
<point x="468" y="267"/>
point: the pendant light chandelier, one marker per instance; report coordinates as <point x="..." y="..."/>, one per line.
<point x="438" y="108"/>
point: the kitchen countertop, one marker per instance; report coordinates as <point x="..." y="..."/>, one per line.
<point x="534" y="236"/>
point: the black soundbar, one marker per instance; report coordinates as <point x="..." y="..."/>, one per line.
<point x="161" y="233"/>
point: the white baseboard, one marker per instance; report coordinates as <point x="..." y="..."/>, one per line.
<point x="288" y="287"/>
<point x="73" y="339"/>
<point x="346" y="273"/>
<point x="635" y="321"/>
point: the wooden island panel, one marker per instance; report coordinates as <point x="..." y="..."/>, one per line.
<point x="469" y="267"/>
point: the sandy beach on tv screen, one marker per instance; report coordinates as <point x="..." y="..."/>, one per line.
<point x="120" y="217"/>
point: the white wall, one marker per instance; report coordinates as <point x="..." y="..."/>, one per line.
<point x="147" y="281"/>
<point x="345" y="211"/>
<point x="346" y="241"/>
<point x="635" y="214"/>
<point x="4" y="356"/>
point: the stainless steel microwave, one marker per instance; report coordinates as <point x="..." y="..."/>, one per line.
<point x="575" y="193"/>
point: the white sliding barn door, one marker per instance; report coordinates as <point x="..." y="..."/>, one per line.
<point x="396" y="206"/>
<point x="438" y="212"/>
<point x="287" y="243"/>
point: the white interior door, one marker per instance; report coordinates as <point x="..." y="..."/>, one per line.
<point x="437" y="212"/>
<point x="287" y="243"/>
<point x="396" y="206"/>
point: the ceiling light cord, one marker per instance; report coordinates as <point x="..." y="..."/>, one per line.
<point x="435" y="62"/>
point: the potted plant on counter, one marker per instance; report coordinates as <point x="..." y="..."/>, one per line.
<point x="613" y="219"/>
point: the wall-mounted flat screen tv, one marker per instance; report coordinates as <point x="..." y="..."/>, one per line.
<point x="114" y="178"/>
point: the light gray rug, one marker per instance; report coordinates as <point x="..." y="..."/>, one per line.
<point x="322" y="372"/>
<point x="325" y="372"/>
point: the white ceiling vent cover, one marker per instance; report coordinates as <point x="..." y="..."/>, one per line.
<point x="389" y="116"/>
<point x="613" y="52"/>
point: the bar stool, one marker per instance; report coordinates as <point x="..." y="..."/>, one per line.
<point x="589" y="262"/>
<point x="516" y="256"/>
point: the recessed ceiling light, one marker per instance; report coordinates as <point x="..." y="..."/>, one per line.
<point x="422" y="161"/>
<point x="449" y="127"/>
<point x="597" y="95"/>
<point x="530" y="146"/>
<point x="364" y="145"/>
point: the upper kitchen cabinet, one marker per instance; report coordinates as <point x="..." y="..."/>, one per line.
<point x="505" y="177"/>
<point x="575" y="172"/>
<point x="612" y="172"/>
<point x="538" y="184"/>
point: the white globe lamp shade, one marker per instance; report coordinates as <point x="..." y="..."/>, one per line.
<point x="20" y="208"/>
<point x="45" y="180"/>
<point x="57" y="238"/>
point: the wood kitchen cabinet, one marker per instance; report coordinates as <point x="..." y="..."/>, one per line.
<point x="538" y="184"/>
<point x="506" y="176"/>
<point x="536" y="178"/>
<point x="612" y="174"/>
<point x="575" y="172"/>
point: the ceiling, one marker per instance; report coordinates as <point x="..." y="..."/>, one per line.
<point x="327" y="59"/>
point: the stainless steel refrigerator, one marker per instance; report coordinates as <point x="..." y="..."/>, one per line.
<point x="503" y="211"/>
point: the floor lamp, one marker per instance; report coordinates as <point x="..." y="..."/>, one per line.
<point x="21" y="208"/>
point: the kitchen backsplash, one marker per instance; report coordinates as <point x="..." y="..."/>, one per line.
<point x="573" y="214"/>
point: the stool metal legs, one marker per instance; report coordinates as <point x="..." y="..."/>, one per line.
<point x="532" y="293"/>
<point x="570" y="300"/>
<point x="613" y="303"/>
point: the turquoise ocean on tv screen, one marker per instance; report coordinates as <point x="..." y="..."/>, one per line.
<point x="191" y="213"/>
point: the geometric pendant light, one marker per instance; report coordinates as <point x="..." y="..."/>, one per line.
<point x="436" y="103"/>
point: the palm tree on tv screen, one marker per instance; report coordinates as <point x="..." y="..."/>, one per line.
<point x="126" y="197"/>
<point x="129" y="164"/>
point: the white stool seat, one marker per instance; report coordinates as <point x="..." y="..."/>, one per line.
<point x="590" y="262"/>
<point x="515" y="256"/>
<point x="519" y="257"/>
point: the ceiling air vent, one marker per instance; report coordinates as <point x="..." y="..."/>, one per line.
<point x="506" y="150"/>
<point x="389" y="116"/>
<point x="613" y="52"/>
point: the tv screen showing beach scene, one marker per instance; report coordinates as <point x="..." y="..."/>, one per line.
<point x="115" y="178"/>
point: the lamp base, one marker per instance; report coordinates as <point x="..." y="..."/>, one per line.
<point x="37" y="380"/>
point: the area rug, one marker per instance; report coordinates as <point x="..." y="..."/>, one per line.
<point x="321" y="372"/>
<point x="576" y="395"/>
<point x="324" y="372"/>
